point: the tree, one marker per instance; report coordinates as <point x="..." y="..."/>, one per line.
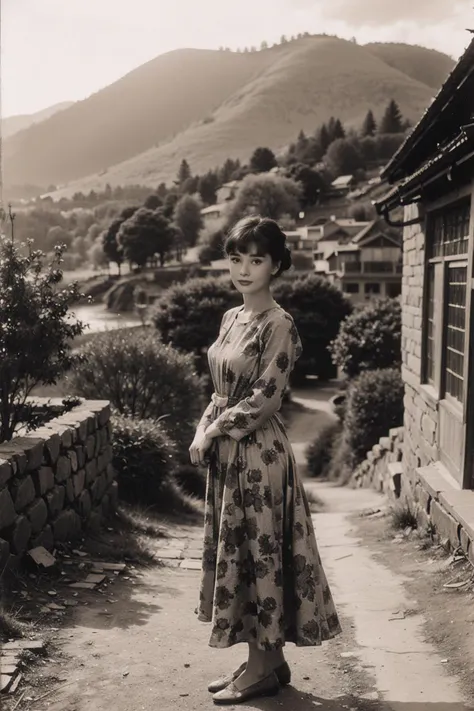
<point x="266" y="195"/>
<point x="323" y="137"/>
<point x="213" y="249"/>
<point x="338" y="131"/>
<point x="370" y="338"/>
<point x="262" y="160"/>
<point x="283" y="39"/>
<point x="145" y="234"/>
<point x="264" y="45"/>
<point x="153" y="202"/>
<point x="110" y="245"/>
<point x="190" y="185"/>
<point x="184" y="171"/>
<point x="188" y="315"/>
<point x="392" y="121"/>
<point x="36" y="330"/>
<point x="318" y="309"/>
<point x="312" y="182"/>
<point x="187" y="217"/>
<point x="207" y="187"/>
<point x="344" y="157"/>
<point x="96" y="255"/>
<point x="369" y="126"/>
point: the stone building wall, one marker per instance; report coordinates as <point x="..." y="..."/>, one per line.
<point x="56" y="481"/>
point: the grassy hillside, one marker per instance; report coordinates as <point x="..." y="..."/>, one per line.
<point x="209" y="105"/>
<point x="14" y="124"/>
<point x="424" y="65"/>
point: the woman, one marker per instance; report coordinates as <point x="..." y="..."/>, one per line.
<point x="262" y="579"/>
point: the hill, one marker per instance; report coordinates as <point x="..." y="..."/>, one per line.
<point x="14" y="124"/>
<point x="209" y="105"/>
<point x="424" y="65"/>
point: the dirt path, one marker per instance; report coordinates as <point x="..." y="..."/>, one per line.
<point x="148" y="651"/>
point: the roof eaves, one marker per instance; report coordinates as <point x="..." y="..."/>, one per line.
<point x="441" y="101"/>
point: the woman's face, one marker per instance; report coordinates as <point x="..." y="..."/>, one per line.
<point x="251" y="272"/>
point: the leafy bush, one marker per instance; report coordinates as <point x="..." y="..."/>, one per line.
<point x="144" y="458"/>
<point x="319" y="452"/>
<point x="142" y="378"/>
<point x="35" y="331"/>
<point x="369" y="338"/>
<point x="188" y="315"/>
<point x="374" y="406"/>
<point x="317" y="308"/>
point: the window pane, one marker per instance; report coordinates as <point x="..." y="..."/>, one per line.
<point x="449" y="231"/>
<point x="455" y="331"/>
<point x="430" y="325"/>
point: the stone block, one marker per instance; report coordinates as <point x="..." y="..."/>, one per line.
<point x="67" y="526"/>
<point x="63" y="431"/>
<point x="101" y="462"/>
<point x="94" y="522"/>
<point x="38" y="515"/>
<point x="79" y="481"/>
<point x="109" y="453"/>
<point x="55" y="500"/>
<point x="45" y="538"/>
<point x="465" y="541"/>
<point x="63" y="469"/>
<point x="70" y="496"/>
<point x="96" y="445"/>
<point x="377" y="451"/>
<point x="386" y="443"/>
<point x="91" y="471"/>
<point x="72" y="456"/>
<point x="90" y="447"/>
<point x="7" y="509"/>
<point x="102" y="479"/>
<point x="85" y="504"/>
<point x="23" y="492"/>
<point x="446" y="525"/>
<point x="4" y="553"/>
<point x="6" y="472"/>
<point x="20" y="535"/>
<point x="81" y="456"/>
<point x="423" y="498"/>
<point x="52" y="447"/>
<point x="43" y="480"/>
<point x="15" y="454"/>
<point x="95" y="491"/>
<point x="33" y="447"/>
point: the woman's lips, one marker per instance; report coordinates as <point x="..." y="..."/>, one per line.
<point x="244" y="283"/>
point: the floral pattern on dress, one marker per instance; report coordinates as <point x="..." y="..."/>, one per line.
<point x="262" y="578"/>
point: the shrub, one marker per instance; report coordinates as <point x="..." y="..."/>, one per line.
<point x="317" y="308"/>
<point x="142" y="378"/>
<point x="369" y="338"/>
<point x="374" y="406"/>
<point x="188" y="315"/>
<point x="319" y="452"/>
<point x="144" y="458"/>
<point x="35" y="331"/>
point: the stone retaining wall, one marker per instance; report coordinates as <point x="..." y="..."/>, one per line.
<point x="382" y="469"/>
<point x="56" y="481"/>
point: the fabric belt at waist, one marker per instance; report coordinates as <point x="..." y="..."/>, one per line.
<point x="224" y="400"/>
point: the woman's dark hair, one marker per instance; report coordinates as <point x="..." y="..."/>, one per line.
<point x="265" y="234"/>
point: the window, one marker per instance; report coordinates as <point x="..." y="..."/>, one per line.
<point x="372" y="288"/>
<point x="352" y="287"/>
<point x="445" y="300"/>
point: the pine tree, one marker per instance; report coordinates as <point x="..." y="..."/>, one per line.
<point x="392" y="121"/>
<point x="369" y="126"/>
<point x="184" y="171"/>
<point x="339" y="131"/>
<point x="324" y="138"/>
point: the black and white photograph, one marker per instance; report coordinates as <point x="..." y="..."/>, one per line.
<point x="236" y="355"/>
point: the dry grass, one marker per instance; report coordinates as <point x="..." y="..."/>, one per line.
<point x="299" y="85"/>
<point x="403" y="516"/>
<point x="10" y="626"/>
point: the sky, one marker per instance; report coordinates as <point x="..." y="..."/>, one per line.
<point x="66" y="50"/>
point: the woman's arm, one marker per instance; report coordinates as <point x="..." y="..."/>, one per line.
<point x="282" y="347"/>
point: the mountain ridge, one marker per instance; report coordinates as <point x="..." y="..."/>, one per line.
<point x="185" y="104"/>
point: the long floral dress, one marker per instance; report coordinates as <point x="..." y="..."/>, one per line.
<point x="262" y="579"/>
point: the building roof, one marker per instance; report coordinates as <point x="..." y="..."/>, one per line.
<point x="213" y="208"/>
<point x="448" y="108"/>
<point x="343" y="181"/>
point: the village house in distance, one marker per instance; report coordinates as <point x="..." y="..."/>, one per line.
<point x="432" y="175"/>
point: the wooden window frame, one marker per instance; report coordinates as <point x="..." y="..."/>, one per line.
<point x="448" y="406"/>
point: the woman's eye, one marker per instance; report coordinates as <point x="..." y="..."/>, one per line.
<point x="257" y="261"/>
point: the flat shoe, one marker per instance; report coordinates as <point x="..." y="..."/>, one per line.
<point x="268" y="686"/>
<point x="283" y="673"/>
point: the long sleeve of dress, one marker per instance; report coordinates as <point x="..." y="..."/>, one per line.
<point x="281" y="347"/>
<point x="206" y="417"/>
